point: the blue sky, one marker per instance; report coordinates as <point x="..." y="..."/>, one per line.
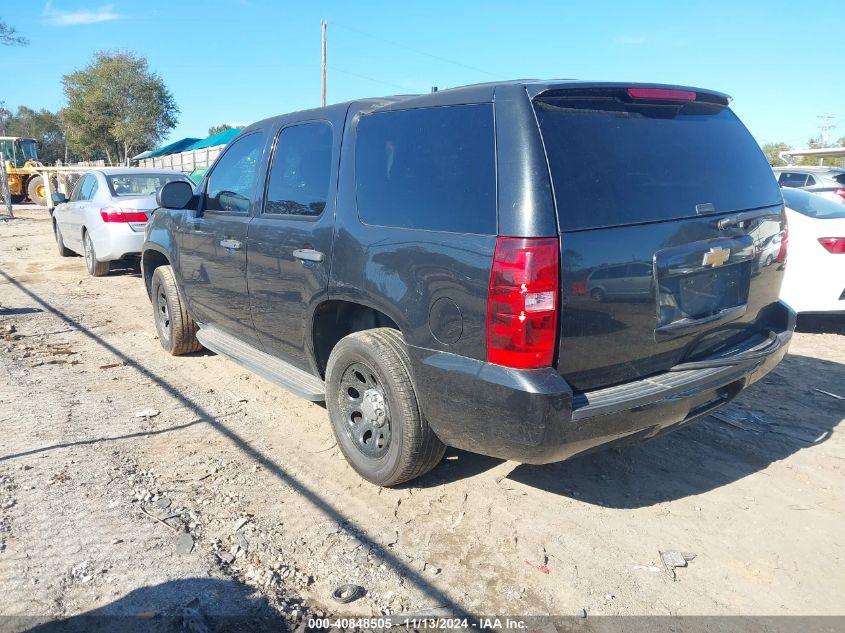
<point x="238" y="61"/>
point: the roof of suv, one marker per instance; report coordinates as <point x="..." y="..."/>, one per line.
<point x="478" y="93"/>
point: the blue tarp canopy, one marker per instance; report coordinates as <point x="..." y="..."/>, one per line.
<point x="173" y="148"/>
<point x="187" y="144"/>
<point x="221" y="138"/>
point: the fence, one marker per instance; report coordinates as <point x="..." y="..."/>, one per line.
<point x="186" y="162"/>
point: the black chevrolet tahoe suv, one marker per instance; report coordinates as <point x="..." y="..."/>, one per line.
<point x="529" y="270"/>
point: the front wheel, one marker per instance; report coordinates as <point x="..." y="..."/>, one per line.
<point x="64" y="251"/>
<point x="95" y="268"/>
<point x="374" y="411"/>
<point x="37" y="191"/>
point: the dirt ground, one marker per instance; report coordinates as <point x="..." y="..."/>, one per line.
<point x="132" y="482"/>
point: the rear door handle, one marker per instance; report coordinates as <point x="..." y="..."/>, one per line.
<point x="308" y="255"/>
<point x="233" y="245"/>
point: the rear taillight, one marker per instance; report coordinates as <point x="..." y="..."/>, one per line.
<point x="840" y="193"/>
<point x="661" y="94"/>
<point x="522" y="302"/>
<point x="114" y="214"/>
<point x="833" y="244"/>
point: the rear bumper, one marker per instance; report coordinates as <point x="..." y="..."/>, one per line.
<point x="534" y="416"/>
<point x="116" y="241"/>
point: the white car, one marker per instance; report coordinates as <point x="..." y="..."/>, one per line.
<point x="105" y="217"/>
<point x="814" y="281"/>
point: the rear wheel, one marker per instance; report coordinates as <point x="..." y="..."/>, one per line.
<point x="60" y="242"/>
<point x="177" y="331"/>
<point x="597" y="294"/>
<point x="95" y="268"/>
<point x="374" y="411"/>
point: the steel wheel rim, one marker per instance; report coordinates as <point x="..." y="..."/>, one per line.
<point x="365" y="411"/>
<point x="89" y="252"/>
<point x="41" y="191"/>
<point x="163" y="315"/>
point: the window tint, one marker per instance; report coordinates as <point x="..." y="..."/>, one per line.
<point x="139" y="184"/>
<point x="614" y="161"/>
<point x="231" y="183"/>
<point x="639" y="270"/>
<point x="840" y="178"/>
<point x="301" y="170"/>
<point x="77" y="190"/>
<point x="431" y="168"/>
<point x="792" y="179"/>
<point x="810" y="181"/>
<point x="89" y="186"/>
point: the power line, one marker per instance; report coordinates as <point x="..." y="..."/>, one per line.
<point x="415" y="50"/>
<point x="373" y="79"/>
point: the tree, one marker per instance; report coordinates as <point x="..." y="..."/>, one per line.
<point x="45" y="127"/>
<point x="9" y="36"/>
<point x="118" y="106"/>
<point x="5" y="115"/>
<point x="816" y="143"/>
<point x="772" y="151"/>
<point x="216" y="129"/>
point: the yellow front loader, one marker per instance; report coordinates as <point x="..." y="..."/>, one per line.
<point x="20" y="160"/>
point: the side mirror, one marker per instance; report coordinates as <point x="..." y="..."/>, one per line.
<point x="58" y="198"/>
<point x="176" y="194"/>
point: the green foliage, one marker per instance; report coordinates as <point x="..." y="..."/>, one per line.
<point x="814" y="143"/>
<point x="9" y="36"/>
<point x="117" y="106"/>
<point x="43" y="126"/>
<point x="216" y="129"/>
<point x="771" y="150"/>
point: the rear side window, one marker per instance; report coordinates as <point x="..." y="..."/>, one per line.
<point x="840" y="178"/>
<point x="301" y="170"/>
<point x="430" y="168"/>
<point x="792" y="179"/>
<point x="615" y="161"/>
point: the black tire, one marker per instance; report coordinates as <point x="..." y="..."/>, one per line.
<point x="769" y="260"/>
<point x="18" y="198"/>
<point x="64" y="251"/>
<point x="95" y="268"/>
<point x="32" y="190"/>
<point x="409" y="447"/>
<point x="177" y="331"/>
<point x="597" y="294"/>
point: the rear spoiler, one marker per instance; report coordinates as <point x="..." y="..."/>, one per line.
<point x="633" y="91"/>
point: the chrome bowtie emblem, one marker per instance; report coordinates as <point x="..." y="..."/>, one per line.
<point x="716" y="257"/>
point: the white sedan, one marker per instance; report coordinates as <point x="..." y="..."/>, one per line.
<point x="105" y="217"/>
<point x="814" y="281"/>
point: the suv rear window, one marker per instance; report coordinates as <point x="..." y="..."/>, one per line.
<point x="614" y="161"/>
<point x="428" y="168"/>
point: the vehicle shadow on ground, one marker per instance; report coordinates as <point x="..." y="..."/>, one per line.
<point x="776" y="418"/>
<point x="816" y="324"/>
<point x="351" y="525"/>
<point x="190" y="604"/>
<point x="129" y="268"/>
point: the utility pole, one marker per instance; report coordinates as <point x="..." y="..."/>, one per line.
<point x="826" y="126"/>
<point x="323" y="28"/>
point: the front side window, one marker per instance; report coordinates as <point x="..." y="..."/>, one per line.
<point x="88" y="187"/>
<point x="77" y="189"/>
<point x="230" y="186"/>
<point x="301" y="170"/>
<point x="428" y="168"/>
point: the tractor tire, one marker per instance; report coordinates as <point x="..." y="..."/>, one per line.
<point x="37" y="191"/>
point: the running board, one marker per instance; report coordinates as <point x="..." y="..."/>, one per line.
<point x="268" y="367"/>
